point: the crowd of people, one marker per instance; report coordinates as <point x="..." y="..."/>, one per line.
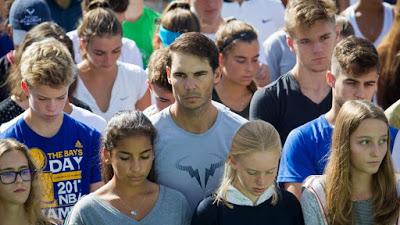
<point x="211" y="112"/>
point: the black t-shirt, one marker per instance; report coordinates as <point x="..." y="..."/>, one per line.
<point x="5" y="66"/>
<point x="287" y="211"/>
<point x="284" y="106"/>
<point x="244" y="113"/>
<point x="9" y="110"/>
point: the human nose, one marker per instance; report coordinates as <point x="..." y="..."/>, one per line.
<point x="18" y="178"/>
<point x="261" y="180"/>
<point x="360" y="92"/>
<point x="317" y="47"/>
<point x="189" y="83"/>
<point x="375" y="150"/>
<point x="135" y="165"/>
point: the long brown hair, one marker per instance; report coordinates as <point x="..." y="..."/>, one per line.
<point x="32" y="204"/>
<point x="338" y="175"/>
<point x="388" y="50"/>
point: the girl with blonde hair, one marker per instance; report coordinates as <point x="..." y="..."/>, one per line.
<point x="248" y="193"/>
<point x="19" y="186"/>
<point x="359" y="183"/>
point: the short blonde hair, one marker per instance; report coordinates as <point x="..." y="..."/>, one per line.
<point x="253" y="136"/>
<point x="305" y="13"/>
<point x="47" y="62"/>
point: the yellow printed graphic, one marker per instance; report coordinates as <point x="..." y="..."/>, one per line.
<point x="73" y="175"/>
<point x="78" y="144"/>
<point x="39" y="158"/>
<point x="48" y="200"/>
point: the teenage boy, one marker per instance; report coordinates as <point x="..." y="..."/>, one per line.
<point x="353" y="76"/>
<point x="65" y="150"/>
<point x="157" y="82"/>
<point x="195" y="135"/>
<point x="302" y="94"/>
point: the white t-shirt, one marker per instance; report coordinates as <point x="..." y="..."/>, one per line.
<point x="350" y="14"/>
<point x="129" y="53"/>
<point x="88" y="118"/>
<point x="266" y="16"/>
<point x="129" y="86"/>
<point x="396" y="153"/>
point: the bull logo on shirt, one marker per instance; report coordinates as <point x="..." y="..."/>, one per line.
<point x="209" y="171"/>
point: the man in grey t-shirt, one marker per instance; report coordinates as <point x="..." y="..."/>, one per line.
<point x="194" y="135"/>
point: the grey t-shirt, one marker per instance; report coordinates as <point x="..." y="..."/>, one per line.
<point x="193" y="163"/>
<point x="171" y="208"/>
<point x="363" y="213"/>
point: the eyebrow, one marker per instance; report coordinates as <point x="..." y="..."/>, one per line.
<point x="13" y="168"/>
<point x="264" y="170"/>
<point x="128" y="153"/>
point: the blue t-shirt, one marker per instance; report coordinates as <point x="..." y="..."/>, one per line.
<point x="306" y="150"/>
<point x="69" y="162"/>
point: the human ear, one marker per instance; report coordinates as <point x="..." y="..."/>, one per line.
<point x="168" y="70"/>
<point x="106" y="156"/>
<point x="289" y="42"/>
<point x="232" y="162"/>
<point x="330" y="79"/>
<point x="25" y="88"/>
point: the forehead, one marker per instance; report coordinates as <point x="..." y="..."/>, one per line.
<point x="106" y="42"/>
<point x="13" y="159"/>
<point x="260" y="160"/>
<point x="371" y="74"/>
<point x="316" y="30"/>
<point x="134" y="144"/>
<point x="183" y="62"/>
<point x="245" y="48"/>
<point x="371" y="127"/>
<point x="47" y="91"/>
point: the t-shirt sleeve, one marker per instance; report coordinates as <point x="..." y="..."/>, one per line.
<point x="264" y="106"/>
<point x="311" y="209"/>
<point x="133" y="53"/>
<point x="141" y="84"/>
<point x="205" y="213"/>
<point x="273" y="55"/>
<point x="74" y="217"/>
<point x="296" y="161"/>
<point x="95" y="171"/>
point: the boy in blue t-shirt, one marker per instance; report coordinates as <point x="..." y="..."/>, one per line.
<point x="353" y="76"/>
<point x="65" y="150"/>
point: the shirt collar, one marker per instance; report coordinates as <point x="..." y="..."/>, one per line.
<point x="236" y="197"/>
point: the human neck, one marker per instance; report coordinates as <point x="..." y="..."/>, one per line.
<point x="312" y="84"/>
<point x="194" y="121"/>
<point x="369" y="5"/>
<point x="21" y="102"/>
<point x="211" y="26"/>
<point x="13" y="214"/>
<point x="361" y="186"/>
<point x="41" y="126"/>
<point x="332" y="113"/>
<point x="85" y="67"/>
<point x="125" y="191"/>
<point x="230" y="88"/>
<point x="309" y="79"/>
<point x="250" y="196"/>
